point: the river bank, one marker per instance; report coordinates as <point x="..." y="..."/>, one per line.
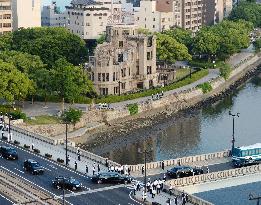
<point x="140" y="127"/>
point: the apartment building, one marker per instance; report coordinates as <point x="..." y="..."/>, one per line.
<point x="52" y="16"/>
<point x="26" y="13"/>
<point x="88" y="18"/>
<point x="155" y="15"/>
<point x="125" y="62"/>
<point x="5" y="16"/>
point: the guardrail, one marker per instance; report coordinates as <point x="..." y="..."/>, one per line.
<point x="214" y="176"/>
<point x="93" y="157"/>
<point x="184" y="160"/>
<point x="34" y="135"/>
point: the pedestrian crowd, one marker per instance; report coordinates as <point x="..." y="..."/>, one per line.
<point x="4" y="127"/>
<point x="157" y="96"/>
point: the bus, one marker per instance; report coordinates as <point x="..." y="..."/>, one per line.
<point x="246" y="155"/>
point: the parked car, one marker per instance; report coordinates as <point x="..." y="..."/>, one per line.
<point x="110" y="177"/>
<point x="183" y="171"/>
<point x="8" y="152"/>
<point x="66" y="183"/>
<point x="33" y="166"/>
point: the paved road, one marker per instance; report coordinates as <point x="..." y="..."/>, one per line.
<point x="100" y="195"/>
<point x="5" y="201"/>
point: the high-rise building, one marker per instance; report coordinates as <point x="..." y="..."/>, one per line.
<point x="5" y="16"/>
<point x="52" y="16"/>
<point x="26" y="13"/>
<point x="88" y="18"/>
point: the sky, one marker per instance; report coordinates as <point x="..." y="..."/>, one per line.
<point x="60" y="3"/>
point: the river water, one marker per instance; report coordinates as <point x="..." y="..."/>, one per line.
<point x="203" y="131"/>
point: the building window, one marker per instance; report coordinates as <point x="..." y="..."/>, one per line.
<point x="154" y="19"/>
<point x="114" y="76"/>
<point x="120" y="57"/>
<point x="120" y="44"/>
<point x="99" y="76"/>
<point x="148" y="56"/>
<point x="107" y="77"/>
<point x="104" y="91"/>
<point x="103" y="77"/>
<point x="148" y="70"/>
<point x="123" y="86"/>
<point x="115" y="90"/>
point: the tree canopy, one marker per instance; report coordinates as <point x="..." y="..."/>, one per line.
<point x="13" y="84"/>
<point x="50" y="44"/>
<point x="72" y="116"/>
<point x="247" y="10"/>
<point x="170" y="50"/>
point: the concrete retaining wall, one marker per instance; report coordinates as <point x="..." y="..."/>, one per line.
<point x="184" y="160"/>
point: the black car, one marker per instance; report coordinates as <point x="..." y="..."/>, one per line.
<point x="66" y="183"/>
<point x="183" y="171"/>
<point x="110" y="177"/>
<point x="33" y="166"/>
<point x="8" y="152"/>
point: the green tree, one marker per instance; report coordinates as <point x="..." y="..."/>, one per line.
<point x="69" y="81"/>
<point x="206" y="42"/>
<point x="13" y="84"/>
<point x="101" y="39"/>
<point x="6" y="41"/>
<point x="169" y="50"/>
<point x="181" y="35"/>
<point x="72" y="116"/>
<point x="50" y="44"/>
<point x="257" y="44"/>
<point x="249" y="11"/>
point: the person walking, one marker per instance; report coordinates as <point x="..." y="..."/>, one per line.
<point x="158" y="188"/>
<point x="142" y="170"/>
<point x="106" y="163"/>
<point x="207" y="170"/>
<point x="75" y="165"/>
<point x="86" y="169"/>
<point x="93" y="169"/>
<point x="164" y="178"/>
<point x="79" y="155"/>
<point x="99" y="169"/>
<point x="138" y="186"/>
<point x="162" y="165"/>
<point x="175" y="200"/>
<point x="144" y="195"/>
<point x="170" y="190"/>
<point x="134" y="189"/>
<point x="32" y="146"/>
<point x="187" y="198"/>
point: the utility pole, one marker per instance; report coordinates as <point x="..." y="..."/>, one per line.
<point x="66" y="143"/>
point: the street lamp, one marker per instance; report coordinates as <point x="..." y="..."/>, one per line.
<point x="66" y="143"/>
<point x="145" y="152"/>
<point x="251" y="197"/>
<point x="233" y="135"/>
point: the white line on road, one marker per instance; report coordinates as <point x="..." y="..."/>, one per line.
<point x="133" y="198"/>
<point x="6" y="198"/>
<point x="52" y="166"/>
<point x="32" y="183"/>
<point x="47" y="169"/>
<point x="19" y="170"/>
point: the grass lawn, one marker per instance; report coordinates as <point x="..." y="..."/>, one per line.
<point x="43" y="119"/>
<point x="182" y="72"/>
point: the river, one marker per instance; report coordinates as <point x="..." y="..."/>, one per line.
<point x="202" y="131"/>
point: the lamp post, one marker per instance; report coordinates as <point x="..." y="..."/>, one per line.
<point x="233" y="134"/>
<point x="257" y="198"/>
<point x="66" y="143"/>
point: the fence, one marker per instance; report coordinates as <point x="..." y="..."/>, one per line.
<point x="214" y="176"/>
<point x="184" y="160"/>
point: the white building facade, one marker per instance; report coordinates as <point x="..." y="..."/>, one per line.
<point x="52" y="16"/>
<point x="26" y="13"/>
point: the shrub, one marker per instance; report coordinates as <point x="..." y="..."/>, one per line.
<point x="26" y="146"/>
<point x="225" y="71"/>
<point x="60" y="160"/>
<point x="206" y="87"/>
<point x="133" y="108"/>
<point x="16" y="142"/>
<point x="72" y="115"/>
<point x="15" y="113"/>
<point x="36" y="151"/>
<point x="48" y="155"/>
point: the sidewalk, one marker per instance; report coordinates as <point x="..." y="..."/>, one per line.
<point x="159" y="198"/>
<point x="203" y="164"/>
<point x="57" y="151"/>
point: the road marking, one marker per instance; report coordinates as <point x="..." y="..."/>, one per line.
<point x="86" y="187"/>
<point x="130" y="195"/>
<point x="19" y="170"/>
<point x="95" y="190"/>
<point x="52" y="166"/>
<point x="32" y="183"/>
<point x="51" y="161"/>
<point x="47" y="169"/>
<point x="6" y="198"/>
